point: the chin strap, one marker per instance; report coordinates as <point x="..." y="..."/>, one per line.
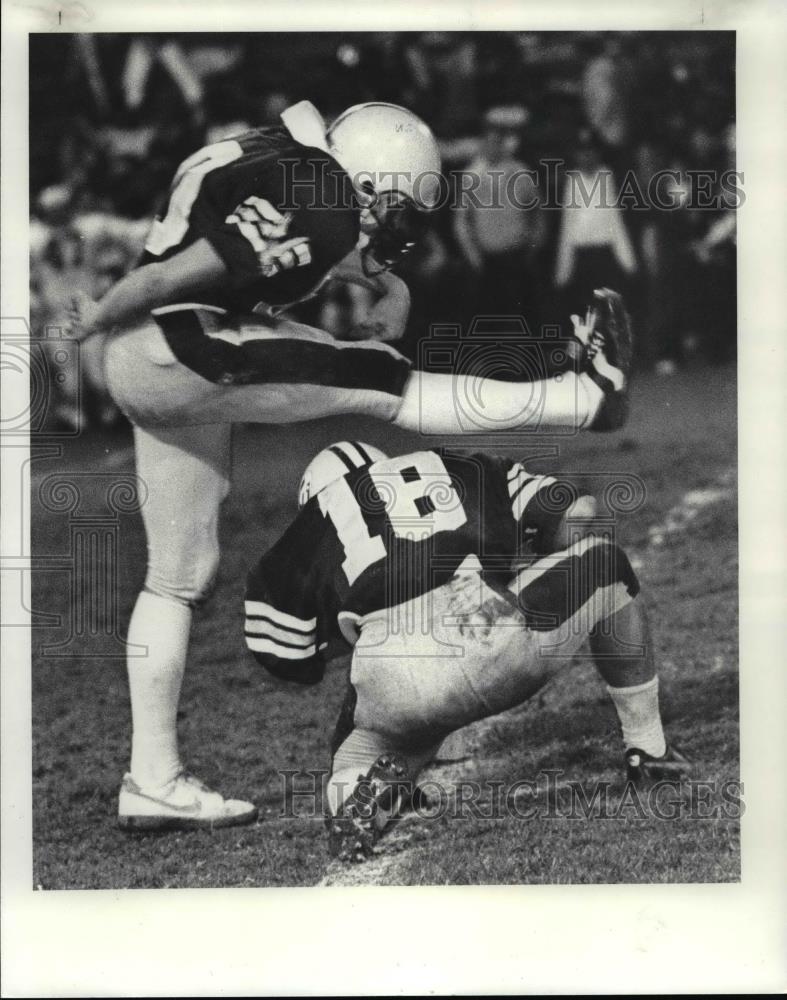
<point x="306" y="125"/>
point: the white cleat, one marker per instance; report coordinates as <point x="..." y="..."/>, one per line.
<point x="185" y="803"/>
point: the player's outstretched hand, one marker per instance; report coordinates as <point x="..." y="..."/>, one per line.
<point x="386" y="320"/>
<point x="82" y="314"/>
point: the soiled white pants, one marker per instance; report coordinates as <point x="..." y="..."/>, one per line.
<point x="463" y="652"/>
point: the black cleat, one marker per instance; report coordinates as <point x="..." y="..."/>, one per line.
<point x="377" y="798"/>
<point x="608" y="359"/>
<point x="642" y="769"/>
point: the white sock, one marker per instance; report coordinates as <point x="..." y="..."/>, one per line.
<point x="594" y="396"/>
<point x="163" y="626"/>
<point x="354" y="757"/>
<point x="640" y="719"/>
<point x="459" y="404"/>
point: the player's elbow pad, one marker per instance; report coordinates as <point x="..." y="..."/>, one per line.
<point x="307" y="671"/>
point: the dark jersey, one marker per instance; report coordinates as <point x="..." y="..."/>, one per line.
<point x="383" y="535"/>
<point x="279" y="214"/>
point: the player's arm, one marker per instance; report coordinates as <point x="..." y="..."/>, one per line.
<point x="281" y="620"/>
<point x="386" y="319"/>
<point x="180" y="277"/>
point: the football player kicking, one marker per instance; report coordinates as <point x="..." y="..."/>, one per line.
<point x="252" y="225"/>
<point x="464" y="583"/>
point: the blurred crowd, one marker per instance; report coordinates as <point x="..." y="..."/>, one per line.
<point x="112" y="116"/>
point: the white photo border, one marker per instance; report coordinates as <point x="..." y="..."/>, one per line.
<point x="529" y="939"/>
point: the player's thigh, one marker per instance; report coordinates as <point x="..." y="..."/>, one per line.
<point x="185" y="476"/>
<point x="151" y="386"/>
<point x="288" y="374"/>
<point x="295" y="372"/>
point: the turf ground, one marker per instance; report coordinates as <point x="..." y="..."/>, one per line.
<point x="240" y="728"/>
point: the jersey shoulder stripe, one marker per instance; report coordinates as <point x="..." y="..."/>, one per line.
<point x="522" y="488"/>
<point x="526" y="492"/>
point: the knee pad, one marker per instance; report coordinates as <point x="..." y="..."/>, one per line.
<point x="576" y="523"/>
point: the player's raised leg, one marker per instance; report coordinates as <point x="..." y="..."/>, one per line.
<point x="594" y="398"/>
<point x="185" y="476"/>
<point x="198" y="365"/>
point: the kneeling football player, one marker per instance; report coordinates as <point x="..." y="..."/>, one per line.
<point x="463" y="582"/>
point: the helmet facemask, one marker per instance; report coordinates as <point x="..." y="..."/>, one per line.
<point x="393" y="226"/>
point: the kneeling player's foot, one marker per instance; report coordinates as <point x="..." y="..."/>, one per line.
<point x="644" y="769"/>
<point x="608" y="360"/>
<point x="376" y="799"/>
<point x="184" y="803"/>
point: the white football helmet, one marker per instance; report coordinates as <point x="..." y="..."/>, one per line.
<point x="333" y="462"/>
<point x="394" y="160"/>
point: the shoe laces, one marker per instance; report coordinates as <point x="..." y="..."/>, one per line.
<point x="191" y="779"/>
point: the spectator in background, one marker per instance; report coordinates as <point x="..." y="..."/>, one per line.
<point x="498" y="236"/>
<point x="689" y="257"/>
<point x="716" y="255"/>
<point x="607" y="85"/>
<point x="72" y="251"/>
<point x="594" y="248"/>
<point x="61" y="272"/>
<point x="442" y="69"/>
<point x="667" y="268"/>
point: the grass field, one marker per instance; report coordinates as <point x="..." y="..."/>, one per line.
<point x="239" y="728"/>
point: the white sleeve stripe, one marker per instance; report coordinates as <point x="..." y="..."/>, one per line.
<point x="259" y="626"/>
<point x="514" y="485"/>
<point x="530" y="574"/>
<point x="515" y="470"/>
<point x="303" y="253"/>
<point x="527" y="493"/>
<point x="276" y="649"/>
<point x="280" y="617"/>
